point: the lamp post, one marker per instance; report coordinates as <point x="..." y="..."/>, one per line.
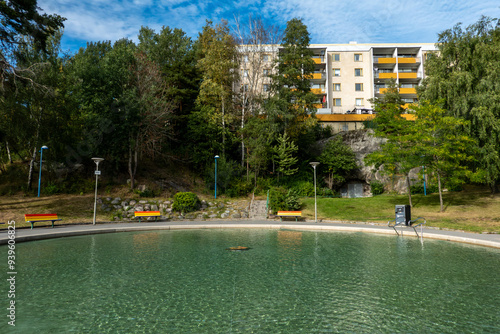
<point x="216" y="157"/>
<point x="97" y="173"/>
<point x="314" y="164"/>
<point x="40" y="172"/>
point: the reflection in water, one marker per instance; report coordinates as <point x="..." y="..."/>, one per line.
<point x="289" y="281"/>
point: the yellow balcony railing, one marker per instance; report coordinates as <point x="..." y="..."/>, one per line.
<point x="384" y="60"/>
<point x="387" y="75"/>
<point x="404" y="60"/>
<point x="317" y="76"/>
<point x="407" y="91"/>
<point x="318" y="91"/>
<point x="407" y="75"/>
<point x="317" y="105"/>
<point x="318" y="60"/>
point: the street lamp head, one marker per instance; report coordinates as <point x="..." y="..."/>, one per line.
<point x="314" y="164"/>
<point x="44" y="147"/>
<point x="97" y="160"/>
<point x="216" y="157"/>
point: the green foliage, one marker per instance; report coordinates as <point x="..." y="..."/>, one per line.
<point x="463" y="79"/>
<point x="303" y="188"/>
<point x="240" y="188"/>
<point x="419" y="188"/>
<point x="284" y="155"/>
<point x="283" y="199"/>
<point x="338" y="160"/>
<point x="185" y="202"/>
<point x="377" y="188"/>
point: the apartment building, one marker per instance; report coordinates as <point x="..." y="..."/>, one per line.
<point x="347" y="76"/>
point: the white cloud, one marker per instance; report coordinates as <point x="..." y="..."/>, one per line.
<point x="328" y="21"/>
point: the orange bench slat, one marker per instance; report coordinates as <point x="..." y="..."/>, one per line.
<point x="41" y="216"/>
<point x="146" y="213"/>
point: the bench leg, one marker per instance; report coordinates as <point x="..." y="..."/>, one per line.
<point x="52" y="224"/>
<point x="31" y="225"/>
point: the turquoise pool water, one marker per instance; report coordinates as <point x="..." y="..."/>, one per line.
<point x="288" y="282"/>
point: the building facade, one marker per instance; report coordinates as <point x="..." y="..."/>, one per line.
<point x="348" y="76"/>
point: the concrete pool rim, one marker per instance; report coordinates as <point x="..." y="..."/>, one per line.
<point x="40" y="233"/>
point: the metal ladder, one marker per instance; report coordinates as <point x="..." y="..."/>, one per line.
<point x="410" y="224"/>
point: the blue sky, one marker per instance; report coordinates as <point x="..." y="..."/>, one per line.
<point x="328" y="21"/>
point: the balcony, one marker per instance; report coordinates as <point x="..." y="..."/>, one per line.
<point x="412" y="91"/>
<point x="317" y="76"/>
<point x="408" y="60"/>
<point x="318" y="91"/>
<point x="386" y="75"/>
<point x="408" y="75"/>
<point x="384" y="60"/>
<point x="319" y="60"/>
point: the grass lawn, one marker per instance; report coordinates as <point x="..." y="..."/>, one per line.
<point x="474" y="211"/>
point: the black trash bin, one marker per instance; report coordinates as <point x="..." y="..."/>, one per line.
<point x="403" y="214"/>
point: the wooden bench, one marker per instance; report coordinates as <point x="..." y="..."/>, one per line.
<point x="41" y="217"/>
<point x="296" y="214"/>
<point x="141" y="214"/>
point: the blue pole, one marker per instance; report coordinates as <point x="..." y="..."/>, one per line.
<point x="425" y="189"/>
<point x="216" y="157"/>
<point x="40" y="172"/>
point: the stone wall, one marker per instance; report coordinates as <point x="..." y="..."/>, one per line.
<point x="123" y="209"/>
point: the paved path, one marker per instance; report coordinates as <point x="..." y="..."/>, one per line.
<point x="38" y="233"/>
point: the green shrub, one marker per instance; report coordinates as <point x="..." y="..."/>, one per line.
<point x="185" y="202"/>
<point x="283" y="199"/>
<point x="419" y="189"/>
<point x="51" y="189"/>
<point x="377" y="188"/>
<point x="240" y="188"/>
<point x="304" y="189"/>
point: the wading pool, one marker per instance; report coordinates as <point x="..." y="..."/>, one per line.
<point x="186" y="281"/>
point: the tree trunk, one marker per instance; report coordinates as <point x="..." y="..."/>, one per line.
<point x="8" y="152"/>
<point x="132" y="164"/>
<point x="440" y="193"/>
<point x="30" y="173"/>
<point x="409" y="189"/>
<point x="223" y="130"/>
<point x="242" y="143"/>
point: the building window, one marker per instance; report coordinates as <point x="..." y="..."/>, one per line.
<point x="244" y="88"/>
<point x="358" y="72"/>
<point x="245" y="73"/>
<point x="266" y="88"/>
<point x="266" y="72"/>
<point x="336" y="72"/>
<point x="359" y="102"/>
<point x="336" y="87"/>
<point x="245" y="58"/>
<point x="265" y="57"/>
<point x="358" y="57"/>
<point x="359" y="87"/>
<point x="336" y="57"/>
<point x="337" y="102"/>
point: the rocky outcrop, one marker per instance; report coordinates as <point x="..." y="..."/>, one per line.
<point x="362" y="143"/>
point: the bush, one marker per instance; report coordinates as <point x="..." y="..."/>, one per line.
<point x="283" y="199"/>
<point x="304" y="189"/>
<point x="240" y="188"/>
<point x="377" y="188"/>
<point x="419" y="189"/>
<point x="186" y="202"/>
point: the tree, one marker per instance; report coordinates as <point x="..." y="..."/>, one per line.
<point x="395" y="155"/>
<point x="284" y="156"/>
<point x="22" y="18"/>
<point x="339" y="161"/>
<point x="291" y="103"/>
<point x="464" y="79"/>
<point x="219" y="65"/>
<point x="442" y="144"/>
<point x="255" y="40"/>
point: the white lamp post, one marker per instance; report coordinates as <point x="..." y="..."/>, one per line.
<point x="40" y="172"/>
<point x="97" y="173"/>
<point x="216" y="157"/>
<point x="314" y="164"/>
